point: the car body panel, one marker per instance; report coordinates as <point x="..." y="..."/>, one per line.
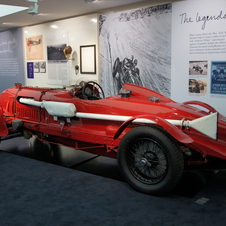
<point x="102" y="123"/>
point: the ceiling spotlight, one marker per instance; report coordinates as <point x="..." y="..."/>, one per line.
<point x="54" y="26"/>
<point x="88" y="1"/>
<point x="33" y="9"/>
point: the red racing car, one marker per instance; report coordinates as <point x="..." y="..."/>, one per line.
<point x="153" y="137"/>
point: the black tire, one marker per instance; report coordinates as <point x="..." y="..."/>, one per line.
<point x="117" y="76"/>
<point x="150" y="160"/>
<point x="45" y="151"/>
<point x="115" y="69"/>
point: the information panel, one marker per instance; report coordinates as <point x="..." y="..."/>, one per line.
<point x="199" y="52"/>
<point x="11" y="59"/>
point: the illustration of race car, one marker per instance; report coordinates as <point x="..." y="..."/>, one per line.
<point x="153" y="137"/>
<point x="198" y="69"/>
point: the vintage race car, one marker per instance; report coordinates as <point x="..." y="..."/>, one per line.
<point x="153" y="137"/>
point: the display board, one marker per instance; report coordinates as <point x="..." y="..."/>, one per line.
<point x="135" y="47"/>
<point x="199" y="52"/>
<point x="11" y="59"/>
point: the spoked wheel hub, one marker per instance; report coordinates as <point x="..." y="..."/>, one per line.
<point x="147" y="161"/>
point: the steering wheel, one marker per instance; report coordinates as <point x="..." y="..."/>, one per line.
<point x="92" y="91"/>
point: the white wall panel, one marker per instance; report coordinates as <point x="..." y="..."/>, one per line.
<point x="78" y="31"/>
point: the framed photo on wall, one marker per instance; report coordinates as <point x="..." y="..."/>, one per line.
<point x="88" y="59"/>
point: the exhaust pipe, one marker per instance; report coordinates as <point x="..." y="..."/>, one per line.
<point x="206" y="124"/>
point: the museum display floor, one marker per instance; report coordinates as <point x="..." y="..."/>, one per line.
<point x="69" y="187"/>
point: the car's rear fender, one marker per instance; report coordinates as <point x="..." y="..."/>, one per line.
<point x="3" y="127"/>
<point x="170" y="128"/>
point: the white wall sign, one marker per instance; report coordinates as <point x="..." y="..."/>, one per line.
<point x="199" y="52"/>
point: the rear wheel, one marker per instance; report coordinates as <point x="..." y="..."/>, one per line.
<point x="46" y="151"/>
<point x="150" y="160"/>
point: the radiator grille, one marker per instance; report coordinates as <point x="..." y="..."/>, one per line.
<point x="27" y="113"/>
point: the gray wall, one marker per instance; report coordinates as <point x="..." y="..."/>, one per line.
<point x="11" y="59"/>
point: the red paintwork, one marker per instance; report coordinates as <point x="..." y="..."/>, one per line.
<point x="3" y="128"/>
<point x="103" y="136"/>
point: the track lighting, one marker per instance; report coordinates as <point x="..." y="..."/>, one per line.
<point x="89" y="1"/>
<point x="33" y="9"/>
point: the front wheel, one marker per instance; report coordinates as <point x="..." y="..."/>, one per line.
<point x="150" y="160"/>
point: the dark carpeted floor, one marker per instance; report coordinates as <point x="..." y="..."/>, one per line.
<point x="34" y="193"/>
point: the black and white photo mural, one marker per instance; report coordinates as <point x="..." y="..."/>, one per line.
<point x="135" y="47"/>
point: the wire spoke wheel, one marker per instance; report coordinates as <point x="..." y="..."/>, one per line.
<point x="147" y="161"/>
<point x="150" y="160"/>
